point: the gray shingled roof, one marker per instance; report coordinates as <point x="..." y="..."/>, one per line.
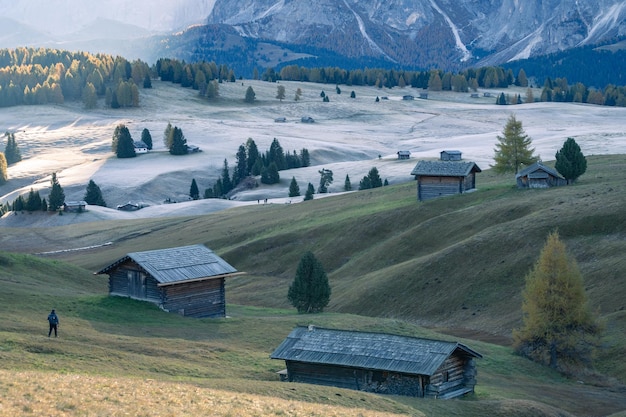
<point x="538" y="166"/>
<point x="365" y="350"/>
<point x="445" y="168"/>
<point x="178" y="264"/>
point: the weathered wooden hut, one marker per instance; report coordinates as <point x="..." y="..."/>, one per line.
<point x="378" y="362"/>
<point x="74" y="206"/>
<point x="444" y="178"/>
<point x="404" y="154"/>
<point x="450" y="155"/>
<point x="538" y="175"/>
<point x="188" y="280"/>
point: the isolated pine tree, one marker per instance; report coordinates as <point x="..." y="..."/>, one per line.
<point x="558" y="327"/>
<point x="227" y="184"/>
<point x="326" y="178"/>
<point x="375" y="180"/>
<point x="123" y="142"/>
<point x="146" y="138"/>
<point x="280" y="92"/>
<point x="310" y="190"/>
<point x="11" y="151"/>
<point x="570" y="161"/>
<point x="513" y="148"/>
<point x="194" y="193"/>
<point x="294" y="189"/>
<point x="310" y="290"/>
<point x="347" y="185"/>
<point x="57" y="196"/>
<point x="179" y="143"/>
<point x="250" y="95"/>
<point x="93" y="195"/>
<point x="168" y="136"/>
<point x="4" y="176"/>
<point x="298" y="95"/>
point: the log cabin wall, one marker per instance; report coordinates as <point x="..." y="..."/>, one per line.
<point x="452" y="375"/>
<point x="196" y="299"/>
<point x="432" y="187"/>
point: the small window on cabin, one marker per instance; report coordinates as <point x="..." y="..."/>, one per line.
<point x="444" y="375"/>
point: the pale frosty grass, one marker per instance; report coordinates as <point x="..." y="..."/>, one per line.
<point x="47" y="394"/>
<point x="350" y="136"/>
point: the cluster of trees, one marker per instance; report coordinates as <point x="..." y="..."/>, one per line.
<point x="514" y="150"/>
<point x="42" y="76"/>
<point x="10" y="156"/>
<point x="34" y="202"/>
<point x="251" y="162"/>
<point x="56" y="198"/>
<point x="204" y="77"/>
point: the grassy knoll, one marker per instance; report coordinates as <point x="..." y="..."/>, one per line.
<point x="455" y="264"/>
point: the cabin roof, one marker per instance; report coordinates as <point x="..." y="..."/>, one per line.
<point x="366" y="350"/>
<point x="445" y="168"/>
<point x="538" y="170"/>
<point x="174" y="265"/>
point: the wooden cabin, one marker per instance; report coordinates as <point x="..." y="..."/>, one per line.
<point x="378" y="362"/>
<point x="140" y="146"/>
<point x="538" y="175"/>
<point x="407" y="97"/>
<point x="424" y="96"/>
<point x="188" y="280"/>
<point x="444" y="178"/>
<point x="74" y="206"/>
<point x="450" y="155"/>
<point x="404" y="154"/>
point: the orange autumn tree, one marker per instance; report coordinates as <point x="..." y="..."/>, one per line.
<point x="558" y="328"/>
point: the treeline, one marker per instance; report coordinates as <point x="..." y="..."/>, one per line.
<point x="204" y="77"/>
<point x="41" y="76"/>
<point x="250" y="162"/>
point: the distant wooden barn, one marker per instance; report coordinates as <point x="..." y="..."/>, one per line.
<point x="188" y="280"/>
<point x="450" y="155"/>
<point x="404" y="154"/>
<point x="444" y="178"/>
<point x="538" y="175"/>
<point x="74" y="206"/>
<point x="378" y="362"/>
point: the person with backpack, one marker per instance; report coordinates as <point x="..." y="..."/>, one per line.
<point x="53" y="319"/>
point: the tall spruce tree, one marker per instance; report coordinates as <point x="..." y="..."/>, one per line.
<point x="374" y="177"/>
<point x="179" y="143"/>
<point x="33" y="201"/>
<point x="146" y="138"/>
<point x="570" y="161"/>
<point x="347" y="185"/>
<point x="310" y="190"/>
<point x="250" y="95"/>
<point x="326" y="178"/>
<point x="513" y="148"/>
<point x="123" y="142"/>
<point x="253" y="156"/>
<point x="93" y="195"/>
<point x="11" y="151"/>
<point x="168" y="136"/>
<point x="194" y="192"/>
<point x="294" y="189"/>
<point x="57" y="195"/>
<point x="310" y="290"/>
<point x="280" y="92"/>
<point x="558" y="327"/>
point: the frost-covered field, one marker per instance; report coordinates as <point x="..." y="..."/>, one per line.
<point x="349" y="136"/>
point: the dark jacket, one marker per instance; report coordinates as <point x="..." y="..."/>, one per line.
<point x="53" y="319"/>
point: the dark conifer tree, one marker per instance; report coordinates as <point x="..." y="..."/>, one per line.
<point x="179" y="143"/>
<point x="146" y="138"/>
<point x="57" y="195"/>
<point x="570" y="161"/>
<point x="310" y="290"/>
<point x="374" y="177"/>
<point x="347" y="186"/>
<point x="277" y="155"/>
<point x="194" y="193"/>
<point x="227" y="184"/>
<point x="123" y="142"/>
<point x="11" y="151"/>
<point x="241" y="169"/>
<point x="253" y="156"/>
<point x="305" y="159"/>
<point x="33" y="201"/>
<point x="294" y="189"/>
<point x="250" y="95"/>
<point x="93" y="195"/>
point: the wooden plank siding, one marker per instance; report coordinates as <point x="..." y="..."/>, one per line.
<point x="196" y="299"/>
<point x="429" y="187"/>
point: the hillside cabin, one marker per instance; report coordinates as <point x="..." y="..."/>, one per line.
<point x="407" y="97"/>
<point x="444" y="178"/>
<point x="188" y="280"/>
<point x="474" y="95"/>
<point x="404" y="154"/>
<point x="140" y="146"/>
<point x="193" y="148"/>
<point x="538" y="175"/>
<point x="378" y="362"/>
<point x="74" y="206"/>
<point x="280" y="120"/>
<point x="424" y="96"/>
<point x="307" y="119"/>
<point x="450" y="155"/>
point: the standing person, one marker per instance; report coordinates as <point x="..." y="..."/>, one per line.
<point x="53" y="319"/>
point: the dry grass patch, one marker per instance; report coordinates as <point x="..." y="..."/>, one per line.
<point x="38" y="394"/>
